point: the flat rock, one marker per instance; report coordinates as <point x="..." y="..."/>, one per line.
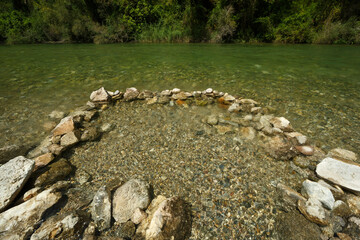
<point x="128" y="197"/>
<point x="342" y="154"/>
<point x="57" y="171"/>
<point x="69" y="139"/>
<point x="11" y="151"/>
<point x="170" y="219"/>
<point x="314" y="211"/>
<point x="343" y="173"/>
<point x="319" y="192"/>
<point x="13" y="176"/>
<point x="19" y="222"/>
<point x="66" y="125"/>
<point x="43" y="160"/>
<point x="131" y="94"/>
<point x="100" y="95"/>
<point x="101" y="208"/>
<point x="281" y="123"/>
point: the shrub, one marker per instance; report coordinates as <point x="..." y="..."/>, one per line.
<point x="221" y="24"/>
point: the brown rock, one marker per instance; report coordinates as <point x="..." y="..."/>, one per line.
<point x="344" y="154"/>
<point x="66" y="125"/>
<point x="100" y="95"/>
<point x="354" y="203"/>
<point x="279" y="148"/>
<point x="43" y="160"/>
<point x="69" y="139"/>
<point x="145" y="94"/>
<point x="57" y="171"/>
<point x="56" y="149"/>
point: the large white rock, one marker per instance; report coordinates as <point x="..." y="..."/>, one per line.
<point x="128" y="197"/>
<point x="18" y="222"/>
<point x="319" y="192"/>
<point x="343" y="173"/>
<point x="13" y="176"/>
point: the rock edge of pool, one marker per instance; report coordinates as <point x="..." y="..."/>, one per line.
<point x="176" y="165"/>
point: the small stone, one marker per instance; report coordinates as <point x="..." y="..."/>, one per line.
<point x="145" y="94"/>
<point x="11" y="151"/>
<point x="281" y="123"/>
<point x="101" y="209"/>
<point x="212" y="120"/>
<point x="209" y="90"/>
<point x="80" y="115"/>
<point x="354" y="203"/>
<point x="248" y="133"/>
<point x="179" y="96"/>
<point x="256" y="110"/>
<point x="90" y="134"/>
<point x="343" y="236"/>
<point x="13" y="176"/>
<point x="175" y="91"/>
<point x="100" y="95"/>
<point x="163" y="99"/>
<point x="279" y="148"/>
<point x="138" y="216"/>
<point x="90" y="231"/>
<point x="57" y="115"/>
<point x="81" y="176"/>
<point x="130" y="196"/>
<point x="106" y="127"/>
<point x="296" y="138"/>
<point x="306" y="150"/>
<point x="48" y="126"/>
<point x="131" y="94"/>
<point x="319" y="192"/>
<point x="248" y="101"/>
<point x="336" y="191"/>
<point x="152" y="100"/>
<point x="69" y="139"/>
<point x="345" y="174"/>
<point x="57" y="171"/>
<point x="41" y="149"/>
<point x="125" y="230"/>
<point x="341" y="209"/>
<point x="228" y="99"/>
<point x="66" y="125"/>
<point x="196" y="93"/>
<point x="313" y="211"/>
<point x="43" y="160"/>
<point x="165" y="93"/>
<point x="290" y="192"/>
<point x="235" y="107"/>
<point x="342" y="154"/>
<point x="31" y="193"/>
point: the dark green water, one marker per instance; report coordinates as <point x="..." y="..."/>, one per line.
<point x="316" y="87"/>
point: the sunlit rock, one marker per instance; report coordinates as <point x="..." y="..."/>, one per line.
<point x="57" y="171"/>
<point x="66" y="125"/>
<point x="319" y="192"/>
<point x="100" y="95"/>
<point x="69" y="139"/>
<point x="306" y="150"/>
<point x="13" y="176"/>
<point x="313" y="211"/>
<point x="175" y="91"/>
<point x="281" y="123"/>
<point x="131" y="94"/>
<point x="340" y="153"/>
<point x="43" y="160"/>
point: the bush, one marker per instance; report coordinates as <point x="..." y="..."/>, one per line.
<point x="13" y="26"/>
<point x="221" y="24"/>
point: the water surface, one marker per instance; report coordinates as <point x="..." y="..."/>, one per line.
<point x="315" y="87"/>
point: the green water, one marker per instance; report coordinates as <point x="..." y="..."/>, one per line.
<point x="315" y="87"/>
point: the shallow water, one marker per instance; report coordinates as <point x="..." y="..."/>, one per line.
<point x="315" y="87"/>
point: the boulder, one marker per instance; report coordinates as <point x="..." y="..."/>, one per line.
<point x="281" y="123"/>
<point x="340" y="172"/>
<point x="101" y="209"/>
<point x="11" y="151"/>
<point x="100" y="95"/>
<point x="13" y="176"/>
<point x="69" y="139"/>
<point x="65" y="226"/>
<point x="169" y="219"/>
<point x="19" y="222"/>
<point x="57" y="171"/>
<point x="319" y="192"/>
<point x="131" y="94"/>
<point x="128" y="197"/>
<point x="340" y="153"/>
<point x="66" y="125"/>
<point x="43" y="160"/>
<point x="313" y="211"/>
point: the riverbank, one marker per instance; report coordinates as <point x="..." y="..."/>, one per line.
<point x="230" y="160"/>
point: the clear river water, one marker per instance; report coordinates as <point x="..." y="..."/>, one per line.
<point x="316" y="87"/>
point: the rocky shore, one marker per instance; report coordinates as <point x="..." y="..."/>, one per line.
<point x="176" y="165"/>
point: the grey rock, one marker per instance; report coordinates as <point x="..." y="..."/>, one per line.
<point x="128" y="197"/>
<point x="69" y="139"/>
<point x="11" y="151"/>
<point x="345" y="174"/>
<point x="57" y="114"/>
<point x="168" y="219"/>
<point x="13" y="176"/>
<point x="131" y="94"/>
<point x="18" y="222"/>
<point x="319" y="192"/>
<point x="101" y="209"/>
<point x="100" y="95"/>
<point x="342" y="154"/>
<point x="336" y="191"/>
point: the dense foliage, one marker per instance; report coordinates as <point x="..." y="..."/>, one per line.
<point x="108" y="21"/>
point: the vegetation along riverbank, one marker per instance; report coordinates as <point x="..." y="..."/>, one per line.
<point x="284" y="21"/>
<point x="176" y="165"/>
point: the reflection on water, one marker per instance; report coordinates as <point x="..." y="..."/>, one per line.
<point x="315" y="87"/>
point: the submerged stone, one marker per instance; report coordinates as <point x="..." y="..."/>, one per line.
<point x="101" y="209"/>
<point x="11" y="151"/>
